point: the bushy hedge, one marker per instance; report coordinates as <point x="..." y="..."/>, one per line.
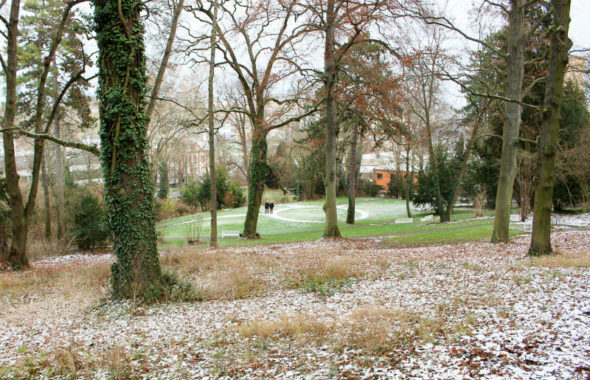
<point x="197" y="193"/>
<point x="90" y="222"/>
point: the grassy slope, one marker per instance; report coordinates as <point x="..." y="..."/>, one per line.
<point x="379" y="223"/>
<point x="379" y="211"/>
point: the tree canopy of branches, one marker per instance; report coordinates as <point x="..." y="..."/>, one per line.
<point x="267" y="35"/>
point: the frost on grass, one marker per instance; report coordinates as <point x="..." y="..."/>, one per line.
<point x="456" y="311"/>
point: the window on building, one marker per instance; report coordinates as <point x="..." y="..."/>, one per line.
<point x="379" y="176"/>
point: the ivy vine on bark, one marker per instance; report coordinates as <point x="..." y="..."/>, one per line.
<point x="128" y="181"/>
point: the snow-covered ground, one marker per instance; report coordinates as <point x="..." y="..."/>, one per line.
<point x="581" y="220"/>
<point x="559" y="221"/>
<point x="472" y="310"/>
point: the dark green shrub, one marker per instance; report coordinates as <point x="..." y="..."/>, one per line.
<point x="190" y="194"/>
<point x="370" y="189"/>
<point x="90" y="222"/>
<point x="237" y="195"/>
<point x="198" y="193"/>
<point x="397" y="186"/>
<point x="163" y="186"/>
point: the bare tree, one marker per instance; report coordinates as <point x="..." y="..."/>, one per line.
<point x="512" y="119"/>
<point x="258" y="41"/>
<point x="423" y="92"/>
<point x="176" y="8"/>
<point x="343" y="24"/>
<point x="559" y="11"/>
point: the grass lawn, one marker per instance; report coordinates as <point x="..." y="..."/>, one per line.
<point x="295" y="217"/>
<point x="304" y="221"/>
<point x="446" y="235"/>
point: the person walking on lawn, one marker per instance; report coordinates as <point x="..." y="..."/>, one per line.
<point x="272" y="206"/>
<point x="266" y="206"/>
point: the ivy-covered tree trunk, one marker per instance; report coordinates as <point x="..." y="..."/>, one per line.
<point x="128" y="181"/>
<point x="331" y="228"/>
<point x="352" y="176"/>
<point x="549" y="132"/>
<point x="512" y="119"/>
<point x="258" y="173"/>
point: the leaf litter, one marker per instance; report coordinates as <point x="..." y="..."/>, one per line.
<point x="471" y="310"/>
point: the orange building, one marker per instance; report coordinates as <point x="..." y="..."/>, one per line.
<point x="382" y="177"/>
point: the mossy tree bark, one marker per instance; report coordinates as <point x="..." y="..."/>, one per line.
<point x="128" y="180"/>
<point x="258" y="173"/>
<point x="512" y="120"/>
<point x="549" y="132"/>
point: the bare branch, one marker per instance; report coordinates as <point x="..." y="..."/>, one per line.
<point x="44" y="136"/>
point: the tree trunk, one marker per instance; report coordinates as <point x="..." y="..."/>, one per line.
<point x="45" y="184"/>
<point x="469" y="148"/>
<point x="435" y="177"/>
<point x="331" y="228"/>
<point x="59" y="181"/>
<point x="16" y="255"/>
<point x="241" y="120"/>
<point x="409" y="181"/>
<point x="352" y="176"/>
<point x="213" y="238"/>
<point x="164" y="62"/>
<point x="59" y="170"/>
<point x="512" y="119"/>
<point x="549" y="133"/>
<point x="258" y="172"/>
<point x="128" y="180"/>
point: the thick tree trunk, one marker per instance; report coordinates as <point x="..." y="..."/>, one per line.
<point x="512" y="119"/>
<point x="331" y="228"/>
<point x="128" y="179"/>
<point x="258" y="172"/>
<point x="16" y="256"/>
<point x="213" y="199"/>
<point x="549" y="133"/>
<point x="352" y="176"/>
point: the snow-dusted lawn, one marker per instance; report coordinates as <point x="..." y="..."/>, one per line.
<point x="289" y="217"/>
<point x="473" y="310"/>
